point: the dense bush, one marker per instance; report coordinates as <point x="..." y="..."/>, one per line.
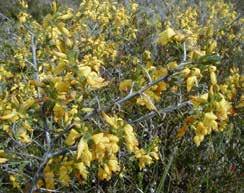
<point x="122" y="96"/>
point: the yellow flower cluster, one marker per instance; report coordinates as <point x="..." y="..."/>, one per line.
<point x="216" y="109"/>
<point x="213" y="119"/>
<point x="101" y="148"/>
<point x="198" y="35"/>
<point x="191" y="76"/>
<point x="214" y="105"/>
<point x="188" y="19"/>
<point x="232" y="83"/>
<point x="106" y="169"/>
<point x="49" y="177"/>
<point x="105" y="146"/>
<point x="207" y="125"/>
<point x="69" y="59"/>
<point x="144" y="157"/>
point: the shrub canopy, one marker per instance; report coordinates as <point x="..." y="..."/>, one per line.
<point x="84" y="92"/>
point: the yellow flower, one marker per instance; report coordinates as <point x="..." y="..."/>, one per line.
<point x="65" y="31"/>
<point x="104" y="173"/>
<point x="212" y="46"/>
<point x="196" y="54"/>
<point x="58" y="112"/>
<point x="144" y="159"/>
<point x="134" y="7"/>
<point x="69" y="42"/>
<point x="22" y="17"/>
<point x="222" y="109"/>
<point x="83" y="152"/>
<point x="198" y="100"/>
<point x="166" y="36"/>
<point x="49" y="178"/>
<point x="82" y="169"/>
<point x="196" y="72"/>
<point x="82" y="145"/>
<point x="154" y="153"/>
<point x="14" y="181"/>
<point x="209" y="121"/>
<point x="241" y="102"/>
<point x="59" y="54"/>
<point x="64" y="175"/>
<point x="112" y="146"/>
<point x="11" y="115"/>
<point x="61" y="86"/>
<point x="112" y="138"/>
<point x="179" y="36"/>
<point x="85" y="70"/>
<point x="54" y="6"/>
<point x="201" y="129"/>
<point x="23" y="135"/>
<point x="67" y="16"/>
<point x="114" y="122"/>
<point x="96" y="81"/>
<point x="210" y="116"/>
<point x="27" y="104"/>
<point x="213" y="78"/>
<point x="146" y="100"/>
<point x="130" y="138"/>
<point x="172" y="65"/>
<point x="2" y="157"/>
<point x="198" y="139"/>
<point x="113" y="165"/>
<point x="125" y="85"/>
<point x="104" y="144"/>
<point x="99" y="138"/>
<point x="73" y="135"/>
<point x="23" y="3"/>
<point x="186" y="71"/>
<point x="190" y="81"/>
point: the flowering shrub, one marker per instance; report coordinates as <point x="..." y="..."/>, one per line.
<point x="77" y="85"/>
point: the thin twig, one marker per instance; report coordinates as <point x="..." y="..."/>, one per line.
<point x="5" y="17"/>
<point x="184" y="55"/>
<point x="34" y="61"/>
<point x="63" y="151"/>
<point x="166" y="171"/>
<point x="136" y="93"/>
<point x="48" y="190"/>
<point x="46" y="129"/>
<point x="67" y="129"/>
<point x="147" y="74"/>
<point x="46" y="158"/>
<point x="231" y="23"/>
<point x="28" y="155"/>
<point x="47" y="134"/>
<point x="30" y="64"/>
<point x="164" y="110"/>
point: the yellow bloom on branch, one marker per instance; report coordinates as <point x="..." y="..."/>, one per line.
<point x="2" y="157"/>
<point x="166" y="36"/>
<point x="190" y="82"/>
<point x="73" y="135"/>
<point x="82" y="170"/>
